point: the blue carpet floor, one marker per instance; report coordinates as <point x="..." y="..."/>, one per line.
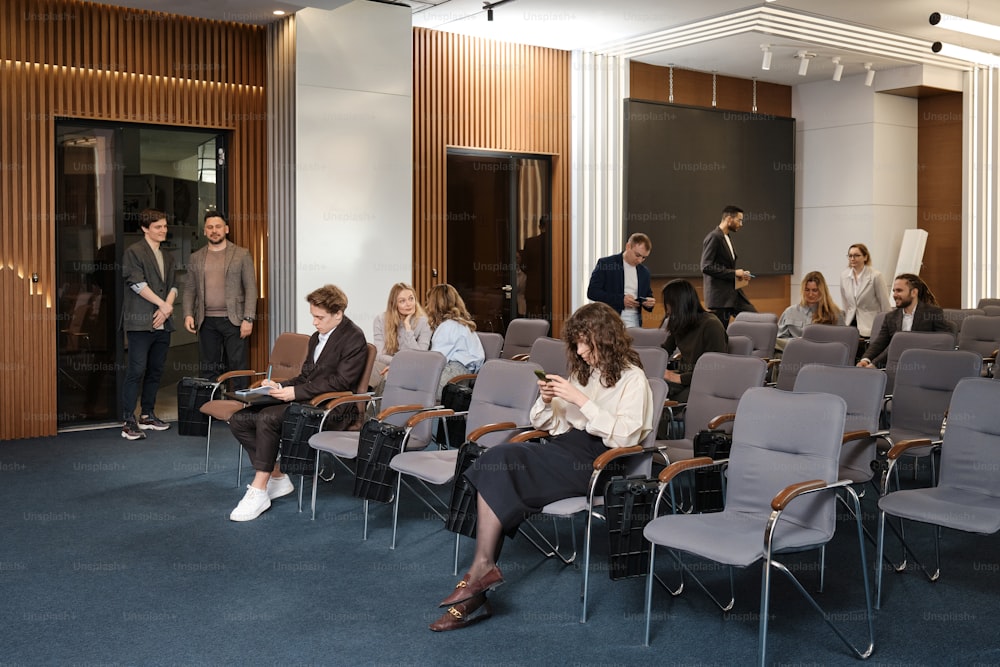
<point x="121" y="553"/>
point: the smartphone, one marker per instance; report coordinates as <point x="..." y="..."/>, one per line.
<point x="541" y="376"/>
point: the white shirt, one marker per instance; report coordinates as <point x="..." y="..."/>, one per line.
<point x="321" y="344"/>
<point x="631" y="316"/>
<point x="908" y="320"/>
<point x="621" y="415"/>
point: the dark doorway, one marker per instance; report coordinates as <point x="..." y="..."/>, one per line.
<point x="499" y="243"/>
<point x="105" y="175"/>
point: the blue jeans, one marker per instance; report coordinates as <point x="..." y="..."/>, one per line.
<point x="147" y="354"/>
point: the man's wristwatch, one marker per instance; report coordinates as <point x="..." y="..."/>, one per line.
<point x="248" y="319"/>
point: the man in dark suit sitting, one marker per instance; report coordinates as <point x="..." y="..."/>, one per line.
<point x="916" y="310"/>
<point x="335" y="361"/>
<point x="622" y="282"/>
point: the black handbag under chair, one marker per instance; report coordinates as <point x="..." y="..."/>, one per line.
<point x="377" y="444"/>
<point x="192" y="393"/>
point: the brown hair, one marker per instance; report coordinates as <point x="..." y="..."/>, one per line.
<point x="640" y="239"/>
<point x="601" y="328"/>
<point x="150" y="215"/>
<point x="864" y="251"/>
<point x="827" y="312"/>
<point x="445" y="303"/>
<point x="328" y="297"/>
<point x="392" y="318"/>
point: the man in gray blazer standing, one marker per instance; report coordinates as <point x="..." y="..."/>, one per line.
<point x="220" y="299"/>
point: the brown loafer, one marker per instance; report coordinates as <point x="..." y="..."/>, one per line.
<point x="464" y="614"/>
<point x="466" y="589"/>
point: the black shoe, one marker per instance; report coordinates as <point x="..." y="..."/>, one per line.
<point x="130" y="431"/>
<point x="151" y="421"/>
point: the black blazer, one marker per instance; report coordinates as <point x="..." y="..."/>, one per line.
<point x="607" y="283"/>
<point x="718" y="269"/>
<point x="925" y="318"/>
<point x="339" y="366"/>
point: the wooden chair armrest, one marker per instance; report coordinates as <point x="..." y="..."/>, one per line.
<point x="672" y="404"/>
<point x="851" y="436"/>
<point x="520" y="357"/>
<point x="462" y="378"/>
<point x="235" y="374"/>
<point x="721" y="419"/>
<point x="771" y="363"/>
<point x="677" y="467"/>
<point x="339" y="399"/>
<point x="602" y="461"/>
<point x="396" y="409"/>
<point x="491" y="428"/>
<point x="429" y="414"/>
<point x="897" y="449"/>
<point x="787" y="494"/>
<point x="529" y="435"/>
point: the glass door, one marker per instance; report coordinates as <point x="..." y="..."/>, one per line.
<point x="105" y="175"/>
<point x="499" y="248"/>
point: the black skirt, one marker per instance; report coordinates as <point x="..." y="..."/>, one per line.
<point x="518" y="479"/>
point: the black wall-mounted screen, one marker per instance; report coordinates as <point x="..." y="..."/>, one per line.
<point x="684" y="164"/>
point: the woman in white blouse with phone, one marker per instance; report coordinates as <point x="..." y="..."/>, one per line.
<point x="863" y="290"/>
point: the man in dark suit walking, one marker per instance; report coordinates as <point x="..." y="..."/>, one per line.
<point x="916" y="310"/>
<point x="622" y="282"/>
<point x="335" y="361"/>
<point x="718" y="266"/>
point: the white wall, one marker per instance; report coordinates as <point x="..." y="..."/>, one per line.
<point x="861" y="182"/>
<point x="354" y="177"/>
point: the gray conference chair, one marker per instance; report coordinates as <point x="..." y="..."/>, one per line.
<point x="957" y="316"/>
<point x="521" y="334"/>
<point x="781" y="498"/>
<point x="741" y="345"/>
<point x="755" y="317"/>
<point x="992" y="311"/>
<point x="877" y="322"/>
<point x="924" y="384"/>
<point x="763" y="335"/>
<point x="966" y="497"/>
<point x="410" y="387"/>
<point x="717" y="385"/>
<point x="550" y="354"/>
<point x="801" y="351"/>
<point x="910" y="340"/>
<point x="285" y="362"/>
<point x="832" y="332"/>
<point x="987" y="301"/>
<point x="647" y="337"/>
<point x="980" y="334"/>
<point x="635" y="461"/>
<point x="492" y="343"/>
<point x="654" y="361"/>
<point x="501" y="403"/>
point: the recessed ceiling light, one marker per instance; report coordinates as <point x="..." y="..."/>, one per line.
<point x="278" y="12"/>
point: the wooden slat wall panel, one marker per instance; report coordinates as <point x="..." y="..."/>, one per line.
<point x="651" y="82"/>
<point x="141" y="67"/>
<point x="939" y="194"/>
<point x="476" y="93"/>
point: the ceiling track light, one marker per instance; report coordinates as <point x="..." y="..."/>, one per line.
<point x="804" y="58"/>
<point x="962" y="53"/>
<point x="838" y="69"/>
<point x="869" y="75"/>
<point x="488" y="6"/>
<point x="967" y="26"/>
<point x="766" y="63"/>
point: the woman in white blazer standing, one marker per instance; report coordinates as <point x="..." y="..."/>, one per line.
<point x="863" y="290"/>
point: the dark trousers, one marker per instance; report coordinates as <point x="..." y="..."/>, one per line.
<point x="259" y="431"/>
<point x="147" y="354"/>
<point x="220" y="347"/>
<point x="726" y="314"/>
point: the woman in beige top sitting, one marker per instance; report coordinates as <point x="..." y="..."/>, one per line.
<point x="403" y="326"/>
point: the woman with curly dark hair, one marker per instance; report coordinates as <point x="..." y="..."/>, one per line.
<point x="605" y="402"/>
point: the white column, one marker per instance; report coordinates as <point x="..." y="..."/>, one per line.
<point x="599" y="88"/>
<point x="981" y="186"/>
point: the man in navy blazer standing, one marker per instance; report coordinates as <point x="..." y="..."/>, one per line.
<point x="622" y="282"/>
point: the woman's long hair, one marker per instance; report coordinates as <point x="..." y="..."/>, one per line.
<point x="393" y="318"/>
<point x="602" y="329"/>
<point x="445" y="303"/>
<point x="680" y="301"/>
<point x="827" y="312"/>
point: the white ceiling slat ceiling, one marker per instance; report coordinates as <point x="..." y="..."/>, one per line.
<point x="723" y="36"/>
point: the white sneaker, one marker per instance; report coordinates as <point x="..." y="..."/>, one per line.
<point x="252" y="506"/>
<point x="279" y="486"/>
